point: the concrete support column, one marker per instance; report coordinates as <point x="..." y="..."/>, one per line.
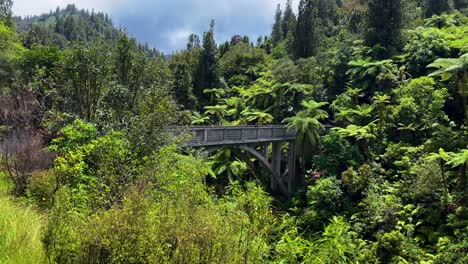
<point x="291" y="167"/>
<point x="265" y="150"/>
<point x="276" y="163"/>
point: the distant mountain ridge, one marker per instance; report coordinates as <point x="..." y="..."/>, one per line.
<point x="70" y="24"/>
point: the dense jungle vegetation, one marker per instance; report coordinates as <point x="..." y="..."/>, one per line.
<point x="89" y="174"/>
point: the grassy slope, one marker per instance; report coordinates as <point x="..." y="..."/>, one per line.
<point x="20" y="226"/>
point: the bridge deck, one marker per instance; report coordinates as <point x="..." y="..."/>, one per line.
<point x="233" y="135"/>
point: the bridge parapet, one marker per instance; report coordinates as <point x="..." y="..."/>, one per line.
<point x="232" y="135"/>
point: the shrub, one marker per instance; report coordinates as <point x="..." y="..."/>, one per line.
<point x="23" y="153"/>
<point x="336" y="155"/>
<point x="336" y="245"/>
<point x="42" y="187"/>
<point x="62" y="236"/>
<point x="424" y="47"/>
<point x="378" y="211"/>
<point x="358" y="181"/>
<point x="452" y="250"/>
<point x="325" y="200"/>
<point x="99" y="167"/>
<point x="19" y="110"/>
<point x="389" y="246"/>
<point x="167" y="216"/>
<point x="325" y="194"/>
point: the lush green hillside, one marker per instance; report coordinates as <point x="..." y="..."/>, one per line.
<point x="66" y="25"/>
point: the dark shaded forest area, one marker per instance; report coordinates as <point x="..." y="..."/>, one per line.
<point x="90" y="174"/>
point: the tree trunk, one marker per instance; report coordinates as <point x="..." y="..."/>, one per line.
<point x="463" y="183"/>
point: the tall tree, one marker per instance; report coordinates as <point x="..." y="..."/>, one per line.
<point x="307" y="37"/>
<point x="181" y="69"/>
<point x="327" y="9"/>
<point x="6" y="14"/>
<point x="193" y="42"/>
<point x="69" y="29"/>
<point x="208" y="75"/>
<point x="307" y="123"/>
<point x="85" y="71"/>
<point x="276" y="34"/>
<point x="289" y="21"/>
<point x="436" y="7"/>
<point x="385" y="21"/>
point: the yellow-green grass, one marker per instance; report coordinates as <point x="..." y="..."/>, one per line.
<point x="20" y="230"/>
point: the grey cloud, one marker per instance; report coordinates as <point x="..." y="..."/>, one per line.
<point x="163" y="24"/>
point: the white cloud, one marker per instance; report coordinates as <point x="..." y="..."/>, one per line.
<point x="178" y="38"/>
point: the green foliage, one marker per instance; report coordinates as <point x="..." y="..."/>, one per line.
<point x="10" y="49"/>
<point x="420" y="105"/>
<point x="423" y="47"/>
<point x="46" y="58"/>
<point x="277" y="33"/>
<point x="218" y="112"/>
<point x="242" y="62"/>
<point x="325" y="195"/>
<point x="95" y="168"/>
<point x="62" y="237"/>
<point x="226" y="162"/>
<point x="288" y="24"/>
<point x="336" y="155"/>
<point x="390" y="174"/>
<point x="388" y="247"/>
<point x="378" y="210"/>
<point x="168" y="217"/>
<point x="457" y="70"/>
<point x="427" y="181"/>
<point x="181" y="66"/>
<point x="6" y="15"/>
<point x="452" y="250"/>
<point x="373" y="75"/>
<point x="291" y="246"/>
<point x="307" y="124"/>
<point x="207" y="77"/>
<point x="358" y="181"/>
<point x="42" y="188"/>
<point x="336" y="246"/>
<point x="363" y="135"/>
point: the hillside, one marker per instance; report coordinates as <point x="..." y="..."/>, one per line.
<point x="70" y="24"/>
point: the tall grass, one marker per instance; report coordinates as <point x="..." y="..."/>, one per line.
<point x="20" y="231"/>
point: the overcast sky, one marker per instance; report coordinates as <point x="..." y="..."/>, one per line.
<point x="166" y="25"/>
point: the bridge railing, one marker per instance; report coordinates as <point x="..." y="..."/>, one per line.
<point x="225" y="135"/>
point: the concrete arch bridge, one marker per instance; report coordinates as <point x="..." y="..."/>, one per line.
<point x="254" y="140"/>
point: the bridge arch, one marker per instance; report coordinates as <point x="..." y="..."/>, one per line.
<point x="275" y="173"/>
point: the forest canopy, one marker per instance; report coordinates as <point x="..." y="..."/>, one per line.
<point x="376" y="91"/>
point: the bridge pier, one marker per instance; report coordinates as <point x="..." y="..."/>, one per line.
<point x="276" y="164"/>
<point x="291" y="167"/>
<point x="290" y="179"/>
